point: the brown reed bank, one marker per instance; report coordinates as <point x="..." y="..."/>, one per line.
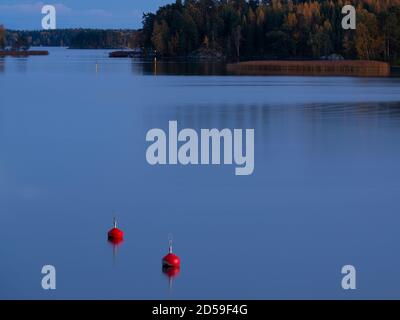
<point x="358" y="68"/>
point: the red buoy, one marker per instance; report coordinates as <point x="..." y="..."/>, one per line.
<point x="171" y="260"/>
<point x="115" y="234"/>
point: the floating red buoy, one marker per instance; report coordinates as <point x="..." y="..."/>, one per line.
<point x="171" y="260"/>
<point x="115" y="234"/>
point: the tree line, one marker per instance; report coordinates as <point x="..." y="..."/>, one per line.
<point x="277" y="29"/>
<point x="243" y="29"/>
<point x="72" y="38"/>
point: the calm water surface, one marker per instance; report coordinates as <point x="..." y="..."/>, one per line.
<point x="324" y="193"/>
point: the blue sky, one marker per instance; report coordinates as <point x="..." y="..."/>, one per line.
<point x="26" y="14"/>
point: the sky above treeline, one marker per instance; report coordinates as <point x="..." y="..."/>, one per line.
<point x="114" y="14"/>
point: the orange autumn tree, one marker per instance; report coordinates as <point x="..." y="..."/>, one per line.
<point x="2" y="37"/>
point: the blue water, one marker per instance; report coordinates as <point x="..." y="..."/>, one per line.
<point x="324" y="193"/>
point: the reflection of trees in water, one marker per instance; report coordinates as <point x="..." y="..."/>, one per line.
<point x="259" y="115"/>
<point x="356" y="111"/>
<point x="136" y="66"/>
<point x="347" y="123"/>
<point x="237" y="116"/>
<point x="268" y="119"/>
<point x="153" y="67"/>
<point x="21" y="65"/>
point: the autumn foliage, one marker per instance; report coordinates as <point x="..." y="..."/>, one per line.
<point x="275" y="29"/>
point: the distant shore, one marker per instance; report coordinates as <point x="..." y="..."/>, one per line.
<point x="15" y="53"/>
<point x="124" y="54"/>
<point x="359" y="68"/>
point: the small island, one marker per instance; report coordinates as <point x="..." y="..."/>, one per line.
<point x="277" y="37"/>
<point x="19" y="47"/>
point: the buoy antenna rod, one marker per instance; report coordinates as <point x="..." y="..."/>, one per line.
<point x="115" y="222"/>
<point x="170" y="243"/>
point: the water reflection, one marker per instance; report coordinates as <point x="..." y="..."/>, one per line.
<point x="21" y="65"/>
<point x="14" y="64"/>
<point x="256" y="115"/>
<point x="156" y="67"/>
<point x="171" y="273"/>
<point x="355" y="110"/>
<point x="208" y="116"/>
<point x="115" y="244"/>
<point x="311" y="119"/>
<point x="2" y="64"/>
